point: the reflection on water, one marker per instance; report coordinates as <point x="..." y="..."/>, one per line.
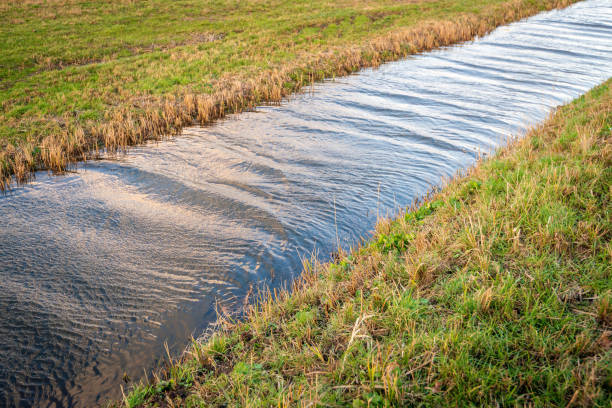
<point x="99" y="268"/>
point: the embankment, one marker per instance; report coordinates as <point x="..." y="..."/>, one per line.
<point x="497" y="290"/>
<point x="90" y="95"/>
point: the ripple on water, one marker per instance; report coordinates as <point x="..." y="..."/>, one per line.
<point x="99" y="268"/>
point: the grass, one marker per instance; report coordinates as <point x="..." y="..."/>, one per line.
<point x="82" y="76"/>
<point x="495" y="291"/>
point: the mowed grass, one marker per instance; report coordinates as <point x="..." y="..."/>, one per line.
<point x="79" y="76"/>
<point x="496" y="291"/>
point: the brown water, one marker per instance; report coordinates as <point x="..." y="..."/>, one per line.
<point x="99" y="268"/>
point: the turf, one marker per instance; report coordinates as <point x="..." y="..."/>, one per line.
<point x="495" y="291"/>
<point x="78" y="76"/>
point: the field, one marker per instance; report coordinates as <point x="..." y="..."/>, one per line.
<point x="80" y="77"/>
<point x="495" y="291"/>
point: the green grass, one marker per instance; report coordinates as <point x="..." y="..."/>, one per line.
<point x="497" y="291"/>
<point x="76" y="75"/>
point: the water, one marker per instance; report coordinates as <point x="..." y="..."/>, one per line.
<point x="99" y="268"/>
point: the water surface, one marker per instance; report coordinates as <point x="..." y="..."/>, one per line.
<point x="99" y="268"/>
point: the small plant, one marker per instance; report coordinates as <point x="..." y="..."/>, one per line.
<point x="393" y="242"/>
<point x="470" y="188"/>
<point x="137" y="396"/>
<point x="218" y="345"/>
<point x="423" y="211"/>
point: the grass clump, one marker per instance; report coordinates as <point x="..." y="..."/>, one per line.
<point x="497" y="291"/>
<point x="78" y="77"/>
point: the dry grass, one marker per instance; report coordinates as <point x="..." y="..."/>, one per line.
<point x="132" y="117"/>
<point x="496" y="291"/>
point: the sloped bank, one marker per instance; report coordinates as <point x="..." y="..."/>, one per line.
<point x="135" y="116"/>
<point x="495" y="291"/>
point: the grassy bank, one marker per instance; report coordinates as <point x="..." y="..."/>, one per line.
<point x="78" y="76"/>
<point x="496" y="291"/>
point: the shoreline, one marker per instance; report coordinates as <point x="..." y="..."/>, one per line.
<point x="156" y="118"/>
<point x="495" y="289"/>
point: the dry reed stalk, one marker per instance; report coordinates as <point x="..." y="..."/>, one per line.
<point x="160" y="118"/>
